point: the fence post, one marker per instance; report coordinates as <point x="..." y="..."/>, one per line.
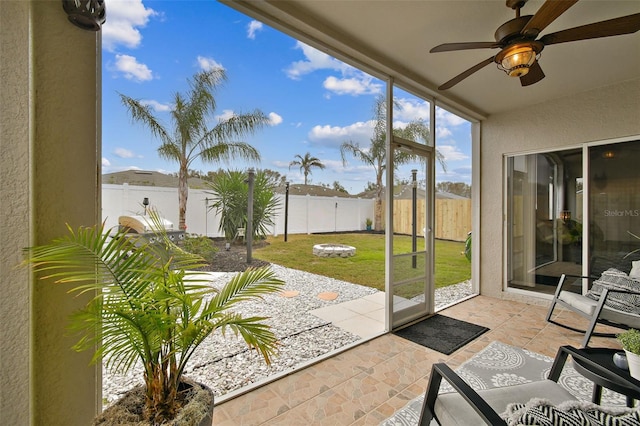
<point x="249" y="231"/>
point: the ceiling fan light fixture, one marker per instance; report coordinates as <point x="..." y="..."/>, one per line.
<point x="516" y="59"/>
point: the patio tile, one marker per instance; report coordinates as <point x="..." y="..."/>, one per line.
<point x="368" y="383"/>
<point x="362" y="326"/>
<point x="334" y="313"/>
<point x="378" y="298"/>
<point x="362" y="305"/>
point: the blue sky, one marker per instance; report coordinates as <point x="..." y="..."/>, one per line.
<point x="315" y="102"/>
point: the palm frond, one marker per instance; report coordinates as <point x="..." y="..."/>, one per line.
<point x="229" y="150"/>
<point x="238" y="125"/>
<point x="247" y="285"/>
<point x="142" y="114"/>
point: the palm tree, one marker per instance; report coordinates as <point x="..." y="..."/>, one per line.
<point x="306" y="163"/>
<point x="376" y="156"/>
<point x="152" y="309"/>
<point x="191" y="137"/>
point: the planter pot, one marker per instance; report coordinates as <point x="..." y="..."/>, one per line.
<point x="198" y="411"/>
<point x="634" y="364"/>
<point x="368" y="227"/>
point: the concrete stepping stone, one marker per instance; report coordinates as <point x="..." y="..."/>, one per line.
<point x="328" y="295"/>
<point x="289" y="293"/>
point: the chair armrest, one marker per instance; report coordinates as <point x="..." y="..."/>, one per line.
<point x="484" y="410"/>
<point x="440" y="371"/>
<point x="595" y="367"/>
<point x="611" y="290"/>
<point x="563" y="281"/>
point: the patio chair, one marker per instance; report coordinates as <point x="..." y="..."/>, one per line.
<point x="613" y="299"/>
<point x="466" y="406"/>
<point x="240" y="234"/>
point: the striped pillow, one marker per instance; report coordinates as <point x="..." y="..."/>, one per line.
<point x="571" y="413"/>
<point x="614" y="279"/>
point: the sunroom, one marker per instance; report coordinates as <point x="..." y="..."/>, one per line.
<point x="548" y="159"/>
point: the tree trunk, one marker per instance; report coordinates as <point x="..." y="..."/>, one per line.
<point x="378" y="215"/>
<point x="183" y="194"/>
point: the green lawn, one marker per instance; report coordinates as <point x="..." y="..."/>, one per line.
<point x="367" y="266"/>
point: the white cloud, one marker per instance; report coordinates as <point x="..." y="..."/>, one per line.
<point x="123" y="153"/>
<point x="105" y="162"/>
<point x="350" y="82"/>
<point x="208" y="64"/>
<point x="274" y="119"/>
<point x="157" y="106"/>
<point x="226" y="114"/>
<point x="253" y="28"/>
<point x="132" y="69"/>
<point x="360" y="85"/>
<point x="314" y="60"/>
<point x="124" y="18"/>
<point x="359" y="132"/>
<point x="411" y="109"/>
<point x="443" y="132"/>
<point x="452" y="153"/>
<point x="446" y="118"/>
<point x="460" y="174"/>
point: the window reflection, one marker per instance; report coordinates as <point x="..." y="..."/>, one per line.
<point x="545" y="213"/>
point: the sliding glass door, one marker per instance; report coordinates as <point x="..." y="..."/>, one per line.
<point x="614" y="206"/>
<point x="558" y="222"/>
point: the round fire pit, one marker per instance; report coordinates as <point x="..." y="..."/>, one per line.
<point x="333" y="250"/>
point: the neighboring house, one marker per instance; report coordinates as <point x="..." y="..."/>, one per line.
<point x="404" y="192"/>
<point x="150" y="178"/>
<point x="320" y="191"/>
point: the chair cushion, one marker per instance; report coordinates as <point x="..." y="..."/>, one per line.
<point x="588" y="306"/>
<point x="452" y="409"/>
<point x="635" y="269"/>
<point x="572" y="413"/>
<point x="578" y="301"/>
<point x="614" y="279"/>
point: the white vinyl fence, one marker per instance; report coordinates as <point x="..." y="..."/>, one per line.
<point x="307" y="214"/>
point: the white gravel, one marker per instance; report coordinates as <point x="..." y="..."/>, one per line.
<point x="225" y="363"/>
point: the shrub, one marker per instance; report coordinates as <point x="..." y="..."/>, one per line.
<point x="199" y="245"/>
<point x="230" y="199"/>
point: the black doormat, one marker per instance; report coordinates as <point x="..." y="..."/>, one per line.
<point x="441" y="333"/>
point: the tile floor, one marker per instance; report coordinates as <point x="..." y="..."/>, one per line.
<point x="363" y="317"/>
<point x="366" y="384"/>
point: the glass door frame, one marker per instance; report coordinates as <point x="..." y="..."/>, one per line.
<point x="393" y="319"/>
<point x="409" y="312"/>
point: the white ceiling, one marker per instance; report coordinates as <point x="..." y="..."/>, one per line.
<point x="394" y="37"/>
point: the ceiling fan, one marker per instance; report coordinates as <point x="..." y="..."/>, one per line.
<point x="519" y="49"/>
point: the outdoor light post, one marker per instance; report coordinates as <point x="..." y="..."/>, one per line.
<point x="414" y="217"/>
<point x="286" y="210"/>
<point x="206" y="210"/>
<point x="145" y="203"/>
<point x="249" y="230"/>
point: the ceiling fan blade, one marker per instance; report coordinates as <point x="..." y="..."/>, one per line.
<point x="534" y="75"/>
<point x="547" y="13"/>
<point x="448" y="47"/>
<point x="624" y="25"/>
<point x="457" y="79"/>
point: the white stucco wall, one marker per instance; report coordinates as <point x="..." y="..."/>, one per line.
<point x="49" y="176"/>
<point x="14" y="205"/>
<point x="605" y="113"/>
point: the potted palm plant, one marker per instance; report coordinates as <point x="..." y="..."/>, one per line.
<point x="152" y="310"/>
<point x="630" y="341"/>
